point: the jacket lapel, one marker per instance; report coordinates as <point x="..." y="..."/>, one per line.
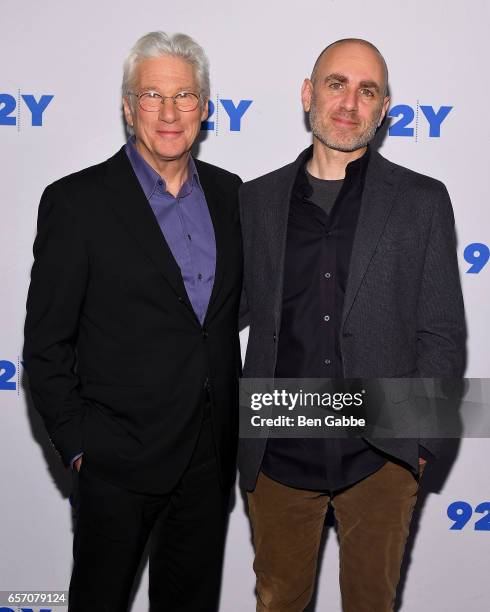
<point x="276" y="210"/>
<point x="377" y="201"/>
<point x="129" y="203"/>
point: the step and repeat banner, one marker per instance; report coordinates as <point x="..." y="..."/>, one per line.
<point x="60" y="111"/>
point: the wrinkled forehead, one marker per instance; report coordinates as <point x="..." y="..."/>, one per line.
<point x="354" y="60"/>
<point x="163" y="69"/>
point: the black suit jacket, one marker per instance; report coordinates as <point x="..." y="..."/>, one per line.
<point x="403" y="313"/>
<point x="116" y="358"/>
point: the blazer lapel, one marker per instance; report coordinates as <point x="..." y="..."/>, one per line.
<point x="130" y="204"/>
<point x="276" y="212"/>
<point x="377" y="201"/>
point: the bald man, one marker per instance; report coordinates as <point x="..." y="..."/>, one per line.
<point x="350" y="272"/>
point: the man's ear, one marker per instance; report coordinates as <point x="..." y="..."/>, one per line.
<point x="128" y="114"/>
<point x="306" y="94"/>
<point x="384" y="110"/>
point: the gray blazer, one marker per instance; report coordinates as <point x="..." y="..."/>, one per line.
<point x="403" y="310"/>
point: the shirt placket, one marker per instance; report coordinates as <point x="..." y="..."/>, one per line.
<point x="327" y="279"/>
<point x="193" y="274"/>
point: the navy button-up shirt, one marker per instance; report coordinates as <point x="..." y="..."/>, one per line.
<point x="316" y="270"/>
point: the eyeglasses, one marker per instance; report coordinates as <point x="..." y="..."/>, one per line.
<point x="152" y="101"/>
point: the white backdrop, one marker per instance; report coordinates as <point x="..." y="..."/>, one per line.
<point x="437" y="53"/>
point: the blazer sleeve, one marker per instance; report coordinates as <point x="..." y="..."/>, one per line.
<point x="441" y="330"/>
<point x="56" y="293"/>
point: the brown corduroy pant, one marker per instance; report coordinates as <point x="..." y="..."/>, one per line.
<point x="373" y="518"/>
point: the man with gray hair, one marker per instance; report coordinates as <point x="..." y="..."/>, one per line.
<point x="131" y="342"/>
<point x="350" y="271"/>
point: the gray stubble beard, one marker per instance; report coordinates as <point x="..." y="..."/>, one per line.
<point x="359" y="142"/>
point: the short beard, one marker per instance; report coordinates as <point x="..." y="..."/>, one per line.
<point x="357" y="143"/>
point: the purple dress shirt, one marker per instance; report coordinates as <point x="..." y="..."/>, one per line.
<point x="186" y="225"/>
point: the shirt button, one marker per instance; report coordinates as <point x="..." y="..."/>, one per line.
<point x="199" y="276"/>
<point x="326" y="318"/>
<point x="160" y="183"/>
<point x="327" y="275"/>
<point x="327" y="361"/>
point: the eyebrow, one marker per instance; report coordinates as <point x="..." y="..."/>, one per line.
<point x="335" y="76"/>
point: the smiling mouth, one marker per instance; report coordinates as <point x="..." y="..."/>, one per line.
<point x="168" y="134"/>
<point x="345" y="122"/>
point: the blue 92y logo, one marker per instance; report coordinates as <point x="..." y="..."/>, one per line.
<point x="8" y="373"/>
<point x="26" y="609"/>
<point x="234" y="114"/>
<point x="477" y="255"/>
<point x="460" y="513"/>
<point x="11" y="108"/>
<point x="414" y="122"/>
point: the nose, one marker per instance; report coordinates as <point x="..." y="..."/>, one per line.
<point x="168" y="111"/>
<point x="350" y="100"/>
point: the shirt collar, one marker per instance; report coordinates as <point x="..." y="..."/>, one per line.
<point x="149" y="178"/>
<point x="355" y="170"/>
<point x="359" y="165"/>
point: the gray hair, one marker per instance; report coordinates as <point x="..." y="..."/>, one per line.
<point x="156" y="44"/>
<point x="359" y="41"/>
